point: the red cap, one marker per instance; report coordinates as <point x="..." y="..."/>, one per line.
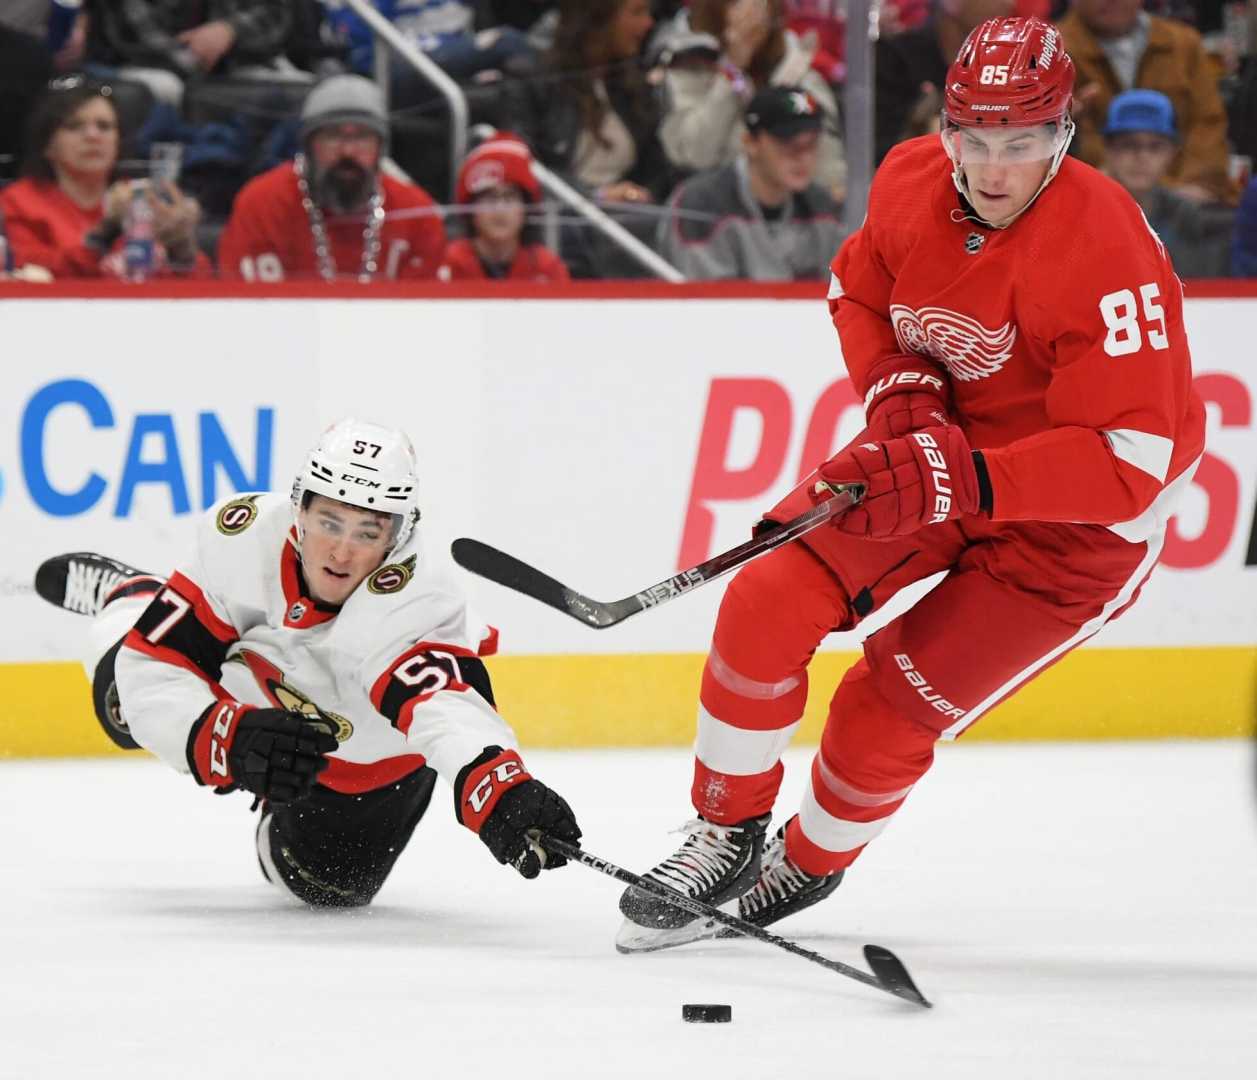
<point x="1010" y="71"/>
<point x="504" y="159"/>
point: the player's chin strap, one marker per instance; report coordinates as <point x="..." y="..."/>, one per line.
<point x="1066" y="136"/>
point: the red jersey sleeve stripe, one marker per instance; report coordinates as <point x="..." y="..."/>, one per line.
<point x="190" y="591"/>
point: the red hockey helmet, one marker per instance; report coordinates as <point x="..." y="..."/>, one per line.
<point x="1010" y="72"/>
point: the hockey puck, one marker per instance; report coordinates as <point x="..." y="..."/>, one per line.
<point x="707" y="1014"/>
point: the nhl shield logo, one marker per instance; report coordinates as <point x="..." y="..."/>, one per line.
<point x="296" y="612"/>
<point x="974" y="242"/>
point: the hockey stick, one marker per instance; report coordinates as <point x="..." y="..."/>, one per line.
<point x="489" y="562"/>
<point x="889" y="974"/>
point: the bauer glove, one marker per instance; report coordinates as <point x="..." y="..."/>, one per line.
<point x="925" y="479"/>
<point x="906" y="393"/>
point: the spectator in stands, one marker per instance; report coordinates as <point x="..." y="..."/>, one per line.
<point x="497" y="187"/>
<point x="763" y="217"/>
<point x="163" y="43"/>
<point x="912" y="66"/>
<point x="332" y="213"/>
<point x="718" y="54"/>
<point x="28" y="16"/>
<point x="58" y="27"/>
<point x="442" y="29"/>
<point x="1241" y="101"/>
<point x="827" y="19"/>
<point x="591" y="113"/>
<point x="1140" y="141"/>
<point x="1244" y="251"/>
<point x="68" y="214"/>
<point x="25" y="67"/>
<point x="1117" y="46"/>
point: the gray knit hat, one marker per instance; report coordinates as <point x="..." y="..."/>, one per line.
<point x="344" y="99"/>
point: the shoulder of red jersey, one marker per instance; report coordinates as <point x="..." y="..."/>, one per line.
<point x="21" y="195"/>
<point x="461" y="260"/>
<point x="276" y="183"/>
<point x="1086" y="212"/>
<point x="903" y="198"/>
<point x="911" y="167"/>
<point x="544" y="264"/>
<point x="400" y="193"/>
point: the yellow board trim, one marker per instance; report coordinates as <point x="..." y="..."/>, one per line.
<point x="649" y="700"/>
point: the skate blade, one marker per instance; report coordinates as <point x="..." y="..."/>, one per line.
<point x="633" y="938"/>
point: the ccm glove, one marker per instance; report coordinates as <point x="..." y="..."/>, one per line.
<point x="906" y="394"/>
<point x="509" y="810"/>
<point x="929" y="477"/>
<point x="271" y="752"/>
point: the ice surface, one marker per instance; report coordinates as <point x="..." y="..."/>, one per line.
<point x="1073" y="911"/>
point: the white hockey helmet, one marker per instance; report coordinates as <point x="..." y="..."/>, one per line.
<point x="367" y="466"/>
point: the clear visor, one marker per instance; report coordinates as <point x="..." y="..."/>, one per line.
<point x="999" y="145"/>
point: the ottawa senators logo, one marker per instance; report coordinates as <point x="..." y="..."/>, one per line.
<point x="283" y="695"/>
<point x="237" y="515"/>
<point x="392" y="577"/>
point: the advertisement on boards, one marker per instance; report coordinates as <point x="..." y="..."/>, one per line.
<point x="610" y="442"/>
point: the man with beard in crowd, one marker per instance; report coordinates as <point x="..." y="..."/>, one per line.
<point x="331" y="212"/>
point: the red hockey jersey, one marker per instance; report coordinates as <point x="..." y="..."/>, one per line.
<point x="1062" y="337"/>
<point x="268" y="236"/>
<point x="533" y="262"/>
<point x="45" y="227"/>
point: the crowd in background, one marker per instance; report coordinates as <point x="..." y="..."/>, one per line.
<point x="258" y="140"/>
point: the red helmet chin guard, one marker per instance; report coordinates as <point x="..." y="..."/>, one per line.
<point x="1009" y="72"/>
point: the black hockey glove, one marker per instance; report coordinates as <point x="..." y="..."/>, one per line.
<point x="497" y="799"/>
<point x="271" y="752"/>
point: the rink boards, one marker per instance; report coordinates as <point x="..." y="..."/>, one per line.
<point x="609" y="436"/>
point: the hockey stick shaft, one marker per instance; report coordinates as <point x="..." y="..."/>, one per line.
<point x="504" y="569"/>
<point x="895" y="980"/>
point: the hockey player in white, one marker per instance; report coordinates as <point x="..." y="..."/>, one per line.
<point x="306" y="653"/>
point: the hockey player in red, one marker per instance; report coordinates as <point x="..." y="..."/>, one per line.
<point x="1016" y="329"/>
<point x="496" y="187"/>
<point x="332" y="213"/>
<point x="308" y="653"/>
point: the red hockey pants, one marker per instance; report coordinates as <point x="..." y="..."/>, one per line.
<point x="1016" y="598"/>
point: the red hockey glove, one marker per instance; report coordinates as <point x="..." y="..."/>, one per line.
<point x="906" y="393"/>
<point x="509" y="810"/>
<point x="929" y="477"/>
<point x="271" y="752"/>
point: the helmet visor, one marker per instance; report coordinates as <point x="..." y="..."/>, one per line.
<point x="1003" y="145"/>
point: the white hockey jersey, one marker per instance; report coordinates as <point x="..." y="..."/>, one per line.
<point x="397" y="667"/>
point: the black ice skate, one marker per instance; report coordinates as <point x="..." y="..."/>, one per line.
<point x="83" y="581"/>
<point x="715" y="864"/>
<point x="782" y="888"/>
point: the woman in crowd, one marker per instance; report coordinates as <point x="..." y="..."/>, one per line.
<point x="591" y="113"/>
<point x="68" y="214"/>
<point x="748" y="48"/>
<point x="496" y="188"/>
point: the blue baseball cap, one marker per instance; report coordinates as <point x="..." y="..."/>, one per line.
<point x="1141" y="110"/>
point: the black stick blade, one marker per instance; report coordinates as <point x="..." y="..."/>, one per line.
<point x="503" y="569"/>
<point x="893" y="975"/>
<point x="489" y="562"/>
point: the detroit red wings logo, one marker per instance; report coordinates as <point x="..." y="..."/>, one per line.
<point x="968" y="349"/>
